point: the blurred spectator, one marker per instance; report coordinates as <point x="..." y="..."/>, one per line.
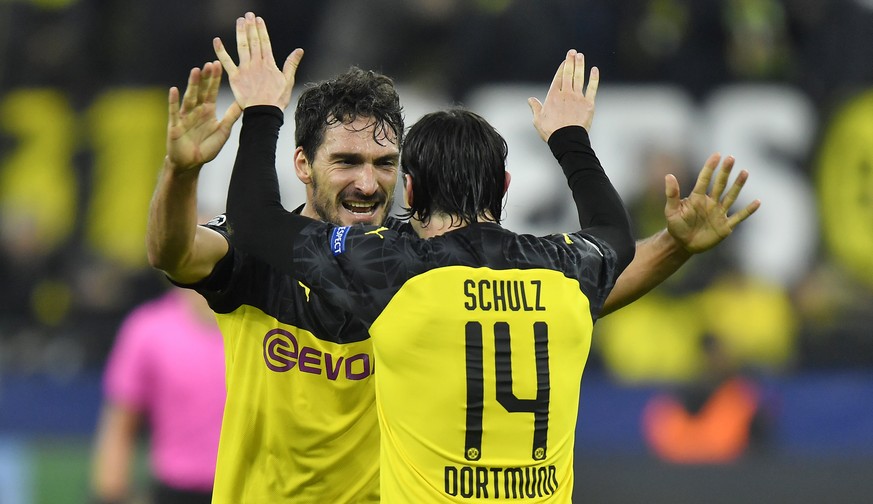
<point x="837" y="314"/>
<point x="166" y="370"/>
<point x="713" y="420"/>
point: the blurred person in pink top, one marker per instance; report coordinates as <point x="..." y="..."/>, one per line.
<point x="165" y="372"/>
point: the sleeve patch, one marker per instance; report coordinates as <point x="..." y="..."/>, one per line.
<point x="218" y="220"/>
<point x="338" y="239"/>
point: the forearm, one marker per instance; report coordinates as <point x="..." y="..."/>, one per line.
<point x="657" y="257"/>
<point x="601" y="211"/>
<point x="113" y="455"/>
<point x="257" y="221"/>
<point x="175" y="243"/>
<point x="172" y="217"/>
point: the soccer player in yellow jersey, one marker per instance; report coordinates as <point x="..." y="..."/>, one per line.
<point x="300" y="422"/>
<point x="480" y="334"/>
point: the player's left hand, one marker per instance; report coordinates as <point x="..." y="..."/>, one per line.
<point x="257" y="80"/>
<point x="701" y="221"/>
<point x="568" y="103"/>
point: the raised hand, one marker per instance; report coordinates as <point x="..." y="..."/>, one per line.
<point x="701" y="221"/>
<point x="567" y="103"/>
<point x="194" y="133"/>
<point x="257" y="80"/>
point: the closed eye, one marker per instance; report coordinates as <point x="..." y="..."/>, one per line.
<point x="348" y="160"/>
<point x="389" y="162"/>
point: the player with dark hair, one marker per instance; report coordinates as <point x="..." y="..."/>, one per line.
<point x="480" y="334"/>
<point x="299" y="423"/>
<point x="357" y="96"/>
<point x="476" y="144"/>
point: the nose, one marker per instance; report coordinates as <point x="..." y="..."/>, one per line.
<point x="366" y="180"/>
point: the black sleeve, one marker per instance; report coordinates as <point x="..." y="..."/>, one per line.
<point x="601" y="211"/>
<point x="256" y="221"/>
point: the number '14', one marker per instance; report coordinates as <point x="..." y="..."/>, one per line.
<point x="539" y="406"/>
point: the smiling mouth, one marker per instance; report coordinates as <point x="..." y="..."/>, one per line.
<point x="360" y="208"/>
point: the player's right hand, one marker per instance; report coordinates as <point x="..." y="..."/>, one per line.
<point x="194" y="133"/>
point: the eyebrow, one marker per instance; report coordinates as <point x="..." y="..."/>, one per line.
<point x="357" y="156"/>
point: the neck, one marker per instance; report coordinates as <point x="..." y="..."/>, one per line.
<point x="439" y="224"/>
<point x="308" y="210"/>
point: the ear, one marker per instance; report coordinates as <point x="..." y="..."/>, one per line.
<point x="302" y="166"/>
<point x="506" y="183"/>
<point x="407" y="190"/>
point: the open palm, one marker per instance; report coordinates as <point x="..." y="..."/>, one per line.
<point x="194" y="133"/>
<point x="700" y="221"/>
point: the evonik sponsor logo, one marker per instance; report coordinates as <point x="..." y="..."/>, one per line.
<point x="283" y="353"/>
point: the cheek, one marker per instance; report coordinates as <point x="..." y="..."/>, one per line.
<point x="334" y="182"/>
<point x="388" y="181"/>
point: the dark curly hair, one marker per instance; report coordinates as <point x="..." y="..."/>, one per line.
<point x="457" y="161"/>
<point x="345" y="98"/>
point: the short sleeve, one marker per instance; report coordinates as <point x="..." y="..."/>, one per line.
<point x="127" y="376"/>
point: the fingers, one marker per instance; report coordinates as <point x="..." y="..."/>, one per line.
<point x="579" y="73"/>
<point x="732" y="195"/>
<point x="671" y="190"/>
<point x="535" y="106"/>
<point x="253" y="38"/>
<point x="593" y="84"/>
<point x="721" y="178"/>
<point x="192" y="90"/>
<point x="173" y="106"/>
<point x="207" y="81"/>
<point x="230" y="116"/>
<point x="252" y="43"/>
<point x="292" y="62"/>
<point x="569" y="71"/>
<point x="555" y="86"/>
<point x="242" y="42"/>
<point x="223" y="57"/>
<point x="706" y="174"/>
<point x="213" y="82"/>
<point x="735" y="189"/>
<point x="264" y="37"/>
<point x="743" y="214"/>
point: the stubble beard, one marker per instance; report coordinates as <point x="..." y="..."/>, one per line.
<point x="326" y="207"/>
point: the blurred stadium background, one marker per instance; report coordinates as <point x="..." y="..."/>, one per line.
<point x="785" y="86"/>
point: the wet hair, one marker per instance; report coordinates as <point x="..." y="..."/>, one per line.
<point x="345" y="98"/>
<point x="457" y="161"/>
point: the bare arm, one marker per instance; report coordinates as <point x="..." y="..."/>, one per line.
<point x="176" y="245"/>
<point x="657" y="257"/>
<point x="114" y="448"/>
<point x="694" y="224"/>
